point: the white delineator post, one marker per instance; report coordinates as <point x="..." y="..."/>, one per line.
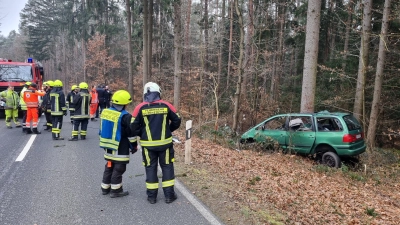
<point x="188" y="142"/>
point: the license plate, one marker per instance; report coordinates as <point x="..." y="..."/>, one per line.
<point x="358" y="136"/>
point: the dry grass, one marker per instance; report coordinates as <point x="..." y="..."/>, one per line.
<point x="248" y="187"/>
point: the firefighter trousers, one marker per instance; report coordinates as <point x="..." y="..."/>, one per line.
<point x="166" y="160"/>
<point x="84" y="124"/>
<point x="112" y="177"/>
<point x="12" y="114"/>
<point x="24" y="118"/>
<point x="49" y="122"/>
<point x="56" y="126"/>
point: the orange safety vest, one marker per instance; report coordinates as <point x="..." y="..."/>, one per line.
<point x="94" y="96"/>
<point x="31" y="98"/>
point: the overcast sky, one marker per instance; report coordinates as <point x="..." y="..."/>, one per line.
<point x="9" y="15"/>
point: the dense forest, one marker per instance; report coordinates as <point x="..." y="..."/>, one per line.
<point x="227" y="63"/>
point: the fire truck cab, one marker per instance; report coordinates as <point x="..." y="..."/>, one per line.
<point x="17" y="74"/>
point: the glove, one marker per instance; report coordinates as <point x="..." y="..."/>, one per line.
<point x="134" y="150"/>
<point x="65" y="113"/>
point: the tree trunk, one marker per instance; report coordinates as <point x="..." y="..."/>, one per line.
<point x="187" y="35"/>
<point x="373" y="119"/>
<point x="150" y="38"/>
<point x="249" y="46"/>
<point x="130" y="51"/>
<point x="177" y="53"/>
<point x="145" y="57"/>
<point x="230" y="45"/>
<point x="206" y="35"/>
<point x="310" y="57"/>
<point x="347" y="34"/>
<point x="240" y="68"/>
<point x="221" y="42"/>
<point x="363" y="61"/>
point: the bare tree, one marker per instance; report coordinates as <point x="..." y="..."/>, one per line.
<point x="373" y="119"/>
<point x="363" y="60"/>
<point x="145" y="57"/>
<point x="130" y="51"/>
<point x="177" y="52"/>
<point x="310" y="56"/>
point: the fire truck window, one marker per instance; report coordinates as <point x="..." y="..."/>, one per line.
<point x="15" y="73"/>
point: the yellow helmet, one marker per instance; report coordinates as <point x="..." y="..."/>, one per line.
<point x="28" y="83"/>
<point x="45" y="83"/>
<point x="121" y="97"/>
<point x="83" y="85"/>
<point x="58" y="83"/>
<point x="74" y="87"/>
<point x="50" y="83"/>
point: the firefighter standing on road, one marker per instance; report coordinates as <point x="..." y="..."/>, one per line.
<point x="46" y="104"/>
<point x="31" y="98"/>
<point x="23" y="105"/>
<point x="154" y="120"/>
<point x="58" y="109"/>
<point x="11" y="108"/>
<point x="70" y="102"/>
<point x="94" y="103"/>
<point x="81" y="102"/>
<point x="114" y="139"/>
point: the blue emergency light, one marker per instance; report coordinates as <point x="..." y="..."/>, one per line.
<point x="30" y="60"/>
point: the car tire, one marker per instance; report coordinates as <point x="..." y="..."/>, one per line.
<point x="331" y="159"/>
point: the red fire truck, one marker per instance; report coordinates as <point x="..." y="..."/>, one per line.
<point x="17" y="73"/>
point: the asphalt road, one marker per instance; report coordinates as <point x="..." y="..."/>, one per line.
<point x="58" y="182"/>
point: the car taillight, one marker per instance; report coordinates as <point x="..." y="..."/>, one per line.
<point x="348" y="138"/>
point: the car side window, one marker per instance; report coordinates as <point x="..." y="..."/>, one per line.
<point x="301" y="123"/>
<point x="325" y="124"/>
<point x="277" y="123"/>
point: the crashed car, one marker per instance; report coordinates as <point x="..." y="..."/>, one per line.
<point x="330" y="136"/>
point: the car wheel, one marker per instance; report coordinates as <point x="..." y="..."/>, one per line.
<point x="331" y="159"/>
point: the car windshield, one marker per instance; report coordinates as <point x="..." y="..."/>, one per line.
<point x="15" y="73"/>
<point x="351" y="122"/>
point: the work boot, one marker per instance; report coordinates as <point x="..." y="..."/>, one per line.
<point x="152" y="200"/>
<point x="119" y="194"/>
<point x="35" y="131"/>
<point x="105" y="191"/>
<point x="93" y="119"/>
<point x="58" y="138"/>
<point x="74" y="138"/>
<point x="19" y="125"/>
<point x="83" y="137"/>
<point x="24" y="130"/>
<point x="171" y="199"/>
<point x="28" y="131"/>
<point x="9" y="127"/>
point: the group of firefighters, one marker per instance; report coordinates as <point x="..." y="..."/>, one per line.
<point x="152" y="121"/>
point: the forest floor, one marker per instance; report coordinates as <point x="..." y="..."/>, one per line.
<point x="253" y="187"/>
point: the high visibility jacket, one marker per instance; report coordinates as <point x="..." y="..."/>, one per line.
<point x="21" y="100"/>
<point x="57" y="99"/>
<point x="70" y="101"/>
<point x="81" y="103"/>
<point x="95" y="96"/>
<point x="154" y="122"/>
<point x="31" y="98"/>
<point x="11" y="97"/>
<point x="114" y="132"/>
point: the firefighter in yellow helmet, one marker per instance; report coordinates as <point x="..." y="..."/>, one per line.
<point x="46" y="104"/>
<point x="69" y="101"/>
<point x="58" y="109"/>
<point x="23" y="105"/>
<point x="154" y="120"/>
<point x="114" y="139"/>
<point x="81" y="102"/>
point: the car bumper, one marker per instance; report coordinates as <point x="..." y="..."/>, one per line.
<point x="351" y="151"/>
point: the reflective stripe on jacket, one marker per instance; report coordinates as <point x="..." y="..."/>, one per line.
<point x="57" y="99"/>
<point x="81" y="102"/>
<point x="11" y="99"/>
<point x="21" y="100"/>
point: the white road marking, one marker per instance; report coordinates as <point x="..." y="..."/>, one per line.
<point x="26" y="148"/>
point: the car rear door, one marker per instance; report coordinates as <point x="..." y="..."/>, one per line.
<point x="301" y="133"/>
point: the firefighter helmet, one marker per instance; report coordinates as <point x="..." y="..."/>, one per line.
<point x="151" y="87"/>
<point x="58" y="83"/>
<point x="121" y="97"/>
<point x="83" y="85"/>
<point x="74" y="87"/>
<point x="50" y="83"/>
<point x="28" y="83"/>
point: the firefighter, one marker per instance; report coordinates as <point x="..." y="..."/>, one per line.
<point x="46" y="104"/>
<point x="94" y="103"/>
<point x="31" y="98"/>
<point x="23" y="105"/>
<point x="81" y="102"/>
<point x="69" y="102"/>
<point x="114" y="139"/>
<point x="154" y="120"/>
<point x="58" y="109"/>
<point x="11" y="99"/>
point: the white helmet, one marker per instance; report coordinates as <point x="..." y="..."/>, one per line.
<point x="151" y="87"/>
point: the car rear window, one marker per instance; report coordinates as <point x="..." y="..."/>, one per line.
<point x="351" y="122"/>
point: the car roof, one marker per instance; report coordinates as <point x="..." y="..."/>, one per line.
<point x="322" y="113"/>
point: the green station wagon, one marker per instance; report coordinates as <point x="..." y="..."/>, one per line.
<point x="328" y="135"/>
